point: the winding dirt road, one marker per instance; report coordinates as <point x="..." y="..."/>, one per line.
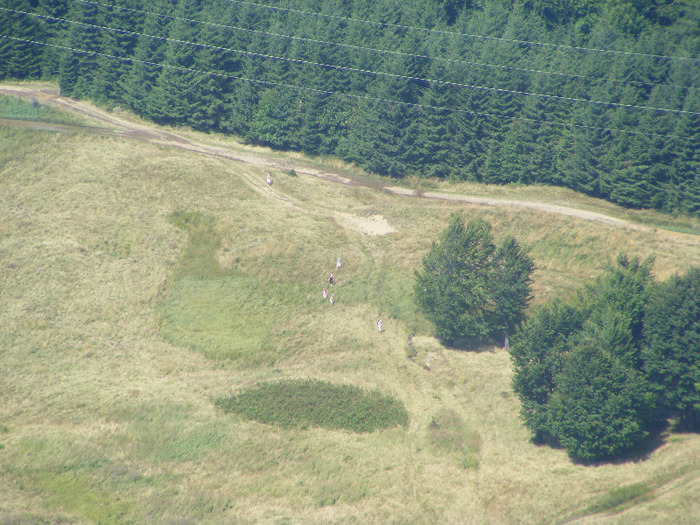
<point x="120" y="127"/>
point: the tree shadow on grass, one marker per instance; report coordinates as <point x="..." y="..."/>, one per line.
<point x="468" y="345"/>
<point x="641" y="452"/>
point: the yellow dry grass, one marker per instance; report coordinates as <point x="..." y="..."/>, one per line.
<point x="104" y="421"/>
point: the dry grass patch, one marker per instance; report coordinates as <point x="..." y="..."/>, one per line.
<point x="108" y="421"/>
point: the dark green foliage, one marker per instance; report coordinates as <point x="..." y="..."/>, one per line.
<point x="537" y="355"/>
<point x="510" y="287"/>
<point x="79" y="69"/>
<point x="399" y="101"/>
<point x="302" y="403"/>
<point x="672" y="355"/>
<point x="598" y="378"/>
<point x="18" y="58"/>
<point x="600" y="407"/>
<point x="469" y="289"/>
<point x="617" y="309"/>
<point x="452" y="289"/>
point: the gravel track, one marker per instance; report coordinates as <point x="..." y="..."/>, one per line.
<point x="120" y="127"/>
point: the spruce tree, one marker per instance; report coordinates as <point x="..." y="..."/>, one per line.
<point x="600" y="407"/>
<point x="672" y="353"/>
<point x="537" y="353"/>
<point x="510" y="285"/>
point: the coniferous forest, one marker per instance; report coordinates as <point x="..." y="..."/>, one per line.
<point x="601" y="96"/>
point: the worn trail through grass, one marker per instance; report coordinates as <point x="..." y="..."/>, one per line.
<point x="128" y="129"/>
<point x="141" y="282"/>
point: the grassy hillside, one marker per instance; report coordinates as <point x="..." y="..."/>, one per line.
<point x="122" y="321"/>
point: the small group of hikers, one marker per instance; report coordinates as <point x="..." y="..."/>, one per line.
<point x="325" y="296"/>
<point x="331" y="298"/>
<point x="331" y="279"/>
<point x="331" y="282"/>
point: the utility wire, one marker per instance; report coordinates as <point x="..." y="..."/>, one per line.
<point x="387" y="51"/>
<point x="466" y="35"/>
<point x="364" y="71"/>
<point x="346" y="95"/>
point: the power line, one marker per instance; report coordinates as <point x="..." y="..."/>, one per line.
<point x="365" y="71"/>
<point x="387" y="51"/>
<point x="347" y="95"/>
<point x="466" y="35"/>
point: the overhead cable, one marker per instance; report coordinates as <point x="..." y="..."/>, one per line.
<point x="366" y="71"/>
<point x="386" y="51"/>
<point x="348" y="95"/>
<point x="466" y="35"/>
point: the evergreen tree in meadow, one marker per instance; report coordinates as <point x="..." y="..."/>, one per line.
<point x="452" y="288"/>
<point x="468" y="288"/>
<point x="617" y="306"/>
<point x="598" y="378"/>
<point x="510" y="288"/>
<point x="600" y="407"/>
<point x="537" y="354"/>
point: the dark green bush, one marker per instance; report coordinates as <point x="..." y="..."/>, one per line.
<point x="302" y="403"/>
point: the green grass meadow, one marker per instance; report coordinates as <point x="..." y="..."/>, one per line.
<point x="140" y="283"/>
<point x="15" y="108"/>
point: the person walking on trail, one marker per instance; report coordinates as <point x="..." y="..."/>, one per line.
<point x="325" y="294"/>
<point x="332" y="299"/>
<point x="330" y="280"/>
<point x="338" y="264"/>
<point x="379" y="326"/>
<point x="269" y="180"/>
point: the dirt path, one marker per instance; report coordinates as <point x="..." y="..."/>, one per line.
<point x="116" y="126"/>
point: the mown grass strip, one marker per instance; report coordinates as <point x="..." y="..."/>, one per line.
<point x="305" y="403"/>
<point x="15" y="108"/>
<point x="199" y="259"/>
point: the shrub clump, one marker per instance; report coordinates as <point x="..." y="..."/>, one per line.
<point x="303" y="403"/>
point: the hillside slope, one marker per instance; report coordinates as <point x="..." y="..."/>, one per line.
<point x="119" y="330"/>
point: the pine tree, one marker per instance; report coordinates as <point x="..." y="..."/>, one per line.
<point x="510" y="288"/>
<point x="176" y="88"/>
<point x="108" y="84"/>
<point x="617" y="308"/>
<point x="78" y="68"/>
<point x="149" y="52"/>
<point x="452" y="289"/>
<point x="20" y="58"/>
